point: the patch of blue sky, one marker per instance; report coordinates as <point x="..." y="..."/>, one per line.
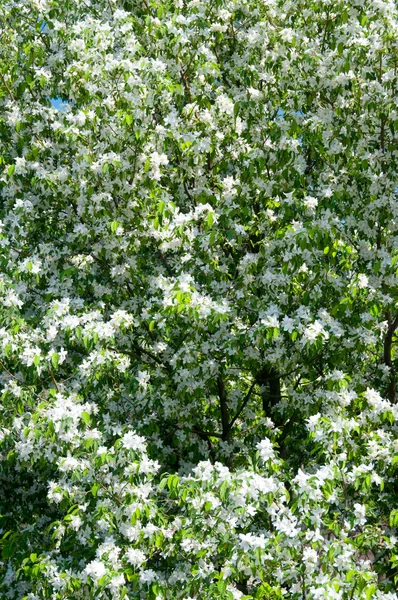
<point x="58" y="103"/>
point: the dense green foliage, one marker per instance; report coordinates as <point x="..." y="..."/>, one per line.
<point x="199" y="299"/>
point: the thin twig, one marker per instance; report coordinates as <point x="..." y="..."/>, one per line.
<point x="53" y="378"/>
<point x="6" y="86"/>
<point x="243" y="405"/>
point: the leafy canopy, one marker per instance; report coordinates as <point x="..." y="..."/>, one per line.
<point x="199" y="299"/>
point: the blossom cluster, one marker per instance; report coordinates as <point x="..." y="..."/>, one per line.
<point x="198" y="299"/>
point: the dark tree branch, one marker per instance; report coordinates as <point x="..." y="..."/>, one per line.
<point x="206" y="434"/>
<point x="243" y="404"/>
<point x="223" y="408"/>
<point x="165" y="263"/>
<point x="269" y="377"/>
<point x="392" y="327"/>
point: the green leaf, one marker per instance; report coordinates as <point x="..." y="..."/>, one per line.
<point x="223" y="489"/>
<point x="54" y="360"/>
<point x="86" y="417"/>
<point x="350" y="575"/>
<point x="163" y="483"/>
<point x="370" y="591"/>
<point x="210" y="219"/>
<point x="172" y="482"/>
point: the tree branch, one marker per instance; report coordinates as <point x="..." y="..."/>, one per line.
<point x="392" y="327"/>
<point x="268" y="376"/>
<point x="242" y="406"/>
<point x="7" y="87"/>
<point x="223" y="408"/>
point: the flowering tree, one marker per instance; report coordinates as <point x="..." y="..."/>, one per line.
<point x="199" y="299"/>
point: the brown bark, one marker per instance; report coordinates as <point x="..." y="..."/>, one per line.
<point x="392" y="327"/>
<point x="223" y="408"/>
<point x="268" y="378"/>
